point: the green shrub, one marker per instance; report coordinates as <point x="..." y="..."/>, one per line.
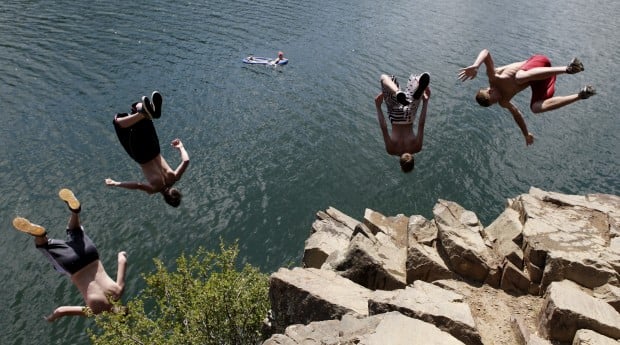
<point x="205" y="301"/>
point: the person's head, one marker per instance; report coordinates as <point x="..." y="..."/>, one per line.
<point x="280" y="55"/>
<point x="172" y="196"/>
<point x="406" y="162"/>
<point x="487" y="97"/>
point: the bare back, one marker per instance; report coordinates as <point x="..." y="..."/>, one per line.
<point x="96" y="286"/>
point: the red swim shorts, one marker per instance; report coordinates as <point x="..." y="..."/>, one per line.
<point x="541" y="89"/>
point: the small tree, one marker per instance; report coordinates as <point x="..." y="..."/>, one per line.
<point x="205" y="301"/>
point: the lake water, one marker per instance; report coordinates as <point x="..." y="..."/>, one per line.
<point x="270" y="147"/>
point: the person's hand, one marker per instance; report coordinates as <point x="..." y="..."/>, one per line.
<point x="177" y="144"/>
<point x="529" y="139"/>
<point x="468" y="73"/>
<point x="51" y="317"/>
<point x="111" y="182"/>
<point x="427" y="94"/>
<point x="379" y="100"/>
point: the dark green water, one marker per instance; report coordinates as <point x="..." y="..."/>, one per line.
<point x="270" y="147"/>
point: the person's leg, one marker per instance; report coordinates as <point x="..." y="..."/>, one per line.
<point x="74" y="205"/>
<point x="538" y="67"/>
<point x="391" y="89"/>
<point x="388" y="83"/>
<point x="538" y="73"/>
<point x="130" y="120"/>
<point x="35" y="230"/>
<point x="553" y="103"/>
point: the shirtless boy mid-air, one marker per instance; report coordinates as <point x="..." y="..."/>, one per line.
<point x="536" y="72"/>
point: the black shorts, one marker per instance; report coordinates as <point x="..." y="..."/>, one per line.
<point x="72" y="255"/>
<point x="140" y="141"/>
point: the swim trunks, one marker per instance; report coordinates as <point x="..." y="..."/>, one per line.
<point x="541" y="89"/>
<point x="70" y="256"/>
<point x="140" y="141"/>
<point x="401" y="114"/>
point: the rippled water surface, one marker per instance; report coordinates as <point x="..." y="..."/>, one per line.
<point x="269" y="146"/>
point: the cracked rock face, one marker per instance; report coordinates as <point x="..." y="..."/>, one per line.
<point x="546" y="270"/>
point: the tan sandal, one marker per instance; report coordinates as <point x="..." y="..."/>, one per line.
<point x="67" y="196"/>
<point x="24" y="225"/>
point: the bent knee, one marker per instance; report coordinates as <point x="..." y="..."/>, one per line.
<point x="536" y="107"/>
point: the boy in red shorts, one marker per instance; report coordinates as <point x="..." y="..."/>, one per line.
<point x="506" y="81"/>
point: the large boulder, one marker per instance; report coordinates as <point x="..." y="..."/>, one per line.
<point x="395" y="227"/>
<point x="443" y="308"/>
<point x="506" y="235"/>
<point x="609" y="294"/>
<point x="568" y="237"/>
<point x="567" y="309"/>
<point x="331" y="232"/>
<point x="460" y="242"/>
<point x="514" y="280"/>
<point x="374" y="262"/>
<point x="303" y="295"/>
<point x="422" y="230"/>
<point x="588" y="337"/>
<point x="424" y="263"/>
<point x="390" y="328"/>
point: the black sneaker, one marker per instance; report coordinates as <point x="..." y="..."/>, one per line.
<point x="147" y="107"/>
<point x="587" y="91"/>
<point x="402" y="98"/>
<point x="157" y="101"/>
<point x="575" y="66"/>
<point x="423" y="82"/>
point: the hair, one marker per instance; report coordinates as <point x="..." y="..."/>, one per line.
<point x="483" y="98"/>
<point x="407" y="162"/>
<point x="172" y="196"/>
<point x="280" y="54"/>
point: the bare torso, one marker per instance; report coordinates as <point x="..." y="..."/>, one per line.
<point x="403" y="140"/>
<point x="158" y="173"/>
<point x="95" y="285"/>
<point x="506" y="83"/>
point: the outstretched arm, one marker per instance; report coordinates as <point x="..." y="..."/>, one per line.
<point x="66" y="311"/>
<point x="384" y="130"/>
<point x="518" y="117"/>
<point x="120" y="273"/>
<point x="131" y="185"/>
<point x="420" y="137"/>
<point x="471" y="71"/>
<point x="178" y="172"/>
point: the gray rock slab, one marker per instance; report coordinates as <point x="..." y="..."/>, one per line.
<point x="374" y="264"/>
<point x="396" y="227"/>
<point x="588" y="337"/>
<point x="424" y="263"/>
<point x="300" y="296"/>
<point x="443" y="308"/>
<point x="567" y="309"/>
<point x="390" y="328"/>
<point x="422" y="230"/>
